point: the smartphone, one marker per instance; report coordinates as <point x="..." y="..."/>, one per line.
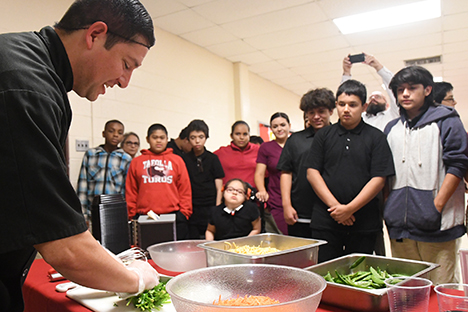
<point x="357" y="58"/>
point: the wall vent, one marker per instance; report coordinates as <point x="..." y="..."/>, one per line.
<point x="425" y="60"/>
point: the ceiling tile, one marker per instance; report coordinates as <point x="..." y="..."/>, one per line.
<point x="319" y="45"/>
<point x="224" y="11"/>
<point x="276" y="21"/>
<point x="250" y="58"/>
<point x="293" y="35"/>
<point x="265" y="67"/>
<point x="209" y="36"/>
<point x="182" y="22"/>
<point x="158" y="8"/>
<point x="231" y="48"/>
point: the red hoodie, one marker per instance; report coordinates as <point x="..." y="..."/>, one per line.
<point x="158" y="182"/>
<point x="238" y="163"/>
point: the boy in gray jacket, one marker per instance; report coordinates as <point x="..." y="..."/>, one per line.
<point x="424" y="212"/>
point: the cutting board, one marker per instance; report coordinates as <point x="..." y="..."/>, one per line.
<point x="103" y="301"/>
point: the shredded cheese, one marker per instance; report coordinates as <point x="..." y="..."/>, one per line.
<point x="250" y="250"/>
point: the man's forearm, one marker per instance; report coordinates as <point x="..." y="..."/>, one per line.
<point x="446" y="191"/>
<point x="81" y="259"/>
<point x="368" y="192"/>
<point x="320" y="187"/>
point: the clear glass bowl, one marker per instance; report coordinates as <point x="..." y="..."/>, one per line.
<point x="297" y="290"/>
<point x="179" y="256"/>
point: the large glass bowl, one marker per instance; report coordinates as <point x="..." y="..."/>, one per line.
<point x="297" y="290"/>
<point x="178" y="256"/>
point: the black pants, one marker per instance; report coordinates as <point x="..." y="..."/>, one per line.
<point x="300" y="230"/>
<point x="14" y="267"/>
<point x="343" y="243"/>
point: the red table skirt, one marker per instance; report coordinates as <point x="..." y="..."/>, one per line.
<point x="40" y="295"/>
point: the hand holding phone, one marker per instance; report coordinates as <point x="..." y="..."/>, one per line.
<point x="357" y="58"/>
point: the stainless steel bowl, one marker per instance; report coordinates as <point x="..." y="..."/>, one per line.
<point x="296" y="289"/>
<point x="294" y="251"/>
<point x="179" y="256"/>
<point x="358" y="299"/>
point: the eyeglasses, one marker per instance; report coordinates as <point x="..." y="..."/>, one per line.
<point x="449" y="100"/>
<point x="200" y="165"/>
<point x="232" y="190"/>
<point x="132" y="143"/>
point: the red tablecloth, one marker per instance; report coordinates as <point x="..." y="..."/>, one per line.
<point x="40" y="295"/>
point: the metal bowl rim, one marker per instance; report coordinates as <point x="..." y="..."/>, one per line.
<point x="194" y="241"/>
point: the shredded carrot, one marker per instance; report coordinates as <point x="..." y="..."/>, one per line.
<point x="246" y="301"/>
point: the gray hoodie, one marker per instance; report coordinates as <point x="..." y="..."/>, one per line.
<point x="423" y="154"/>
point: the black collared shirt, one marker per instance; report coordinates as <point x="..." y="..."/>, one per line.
<point x="203" y="171"/>
<point x="347" y="161"/>
<point x="292" y="159"/>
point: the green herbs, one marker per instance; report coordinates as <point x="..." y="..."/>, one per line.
<point x="372" y="279"/>
<point x="151" y="299"/>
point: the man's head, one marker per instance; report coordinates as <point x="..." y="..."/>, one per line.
<point x="182" y="141"/>
<point x="157" y="138"/>
<point x="113" y="134"/>
<point x="443" y="93"/>
<point x="197" y="134"/>
<point x="105" y="41"/>
<point x="351" y="103"/>
<point x="412" y="87"/>
<point x="318" y="106"/>
<point x="377" y="103"/>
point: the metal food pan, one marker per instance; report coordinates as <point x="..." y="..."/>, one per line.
<point x="294" y="251"/>
<point x="358" y="299"/>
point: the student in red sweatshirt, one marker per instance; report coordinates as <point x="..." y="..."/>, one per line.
<point x="239" y="159"/>
<point x="158" y="180"/>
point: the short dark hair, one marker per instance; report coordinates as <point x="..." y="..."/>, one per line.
<point x="413" y="75"/>
<point x="244" y="184"/>
<point x="440" y="90"/>
<point x="198" y="125"/>
<point x="353" y="87"/>
<point x="113" y="121"/>
<point x="317" y="98"/>
<point x="255" y="139"/>
<point x="155" y="127"/>
<point x="125" y="19"/>
<point x="183" y="133"/>
<point x="239" y="122"/>
<point x="277" y="115"/>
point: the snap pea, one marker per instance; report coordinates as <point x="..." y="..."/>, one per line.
<point x="372" y="279"/>
<point x="357" y="262"/>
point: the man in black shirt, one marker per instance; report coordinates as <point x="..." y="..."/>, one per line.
<point x="348" y="165"/>
<point x="296" y="193"/>
<point x="97" y="44"/>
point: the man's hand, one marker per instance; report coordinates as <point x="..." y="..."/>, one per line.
<point x="347" y="66"/>
<point x="290" y="215"/>
<point x="372" y="61"/>
<point x="342" y="214"/>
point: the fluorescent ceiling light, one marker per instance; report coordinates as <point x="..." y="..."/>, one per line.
<point x="399" y="15"/>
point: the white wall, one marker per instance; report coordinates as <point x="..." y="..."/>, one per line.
<point x="178" y="82"/>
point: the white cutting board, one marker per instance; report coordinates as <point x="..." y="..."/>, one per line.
<point x="103" y="301"/>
